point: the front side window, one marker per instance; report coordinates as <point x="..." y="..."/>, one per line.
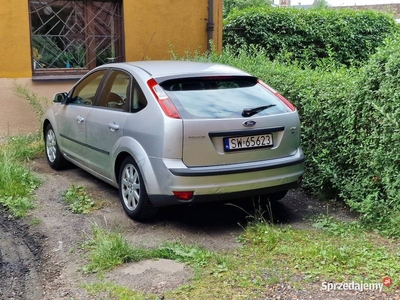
<point x="85" y="91"/>
<point x="72" y="37"/>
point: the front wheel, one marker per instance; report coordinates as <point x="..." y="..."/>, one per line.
<point x="132" y="192"/>
<point x="53" y="154"/>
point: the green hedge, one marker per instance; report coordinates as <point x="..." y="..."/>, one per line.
<point x="322" y="98"/>
<point x="374" y="188"/>
<point x="346" y="36"/>
<point x="350" y="130"/>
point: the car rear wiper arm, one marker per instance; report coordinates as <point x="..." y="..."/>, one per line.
<point x="248" y="112"/>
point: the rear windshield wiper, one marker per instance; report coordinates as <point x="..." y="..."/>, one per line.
<point x="248" y="112"/>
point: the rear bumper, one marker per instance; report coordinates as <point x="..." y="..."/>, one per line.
<point x="223" y="182"/>
<point x="163" y="200"/>
<point x="236" y="169"/>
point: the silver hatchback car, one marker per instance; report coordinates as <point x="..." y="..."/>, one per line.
<point x="170" y="132"/>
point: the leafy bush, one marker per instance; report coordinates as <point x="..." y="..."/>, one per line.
<point x="374" y="186"/>
<point x="324" y="97"/>
<point x="350" y="120"/>
<point x="230" y="5"/>
<point x="350" y="129"/>
<point x="346" y="36"/>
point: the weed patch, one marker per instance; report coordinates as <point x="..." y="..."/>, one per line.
<point x="116" y="292"/>
<point x="78" y="200"/>
<point x="107" y="249"/>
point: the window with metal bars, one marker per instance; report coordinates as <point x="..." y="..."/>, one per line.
<point x="72" y="37"/>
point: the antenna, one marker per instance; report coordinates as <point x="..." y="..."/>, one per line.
<point x="148" y="45"/>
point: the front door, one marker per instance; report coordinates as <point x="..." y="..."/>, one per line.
<point x="72" y="128"/>
<point x="72" y="117"/>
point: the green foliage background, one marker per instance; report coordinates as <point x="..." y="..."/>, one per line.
<point x="350" y="126"/>
<point x="230" y="5"/>
<point x="346" y="36"/>
<point x="340" y="69"/>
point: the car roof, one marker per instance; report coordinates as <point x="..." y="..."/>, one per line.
<point x="166" y="69"/>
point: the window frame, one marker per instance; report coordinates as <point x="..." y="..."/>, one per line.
<point x="90" y="55"/>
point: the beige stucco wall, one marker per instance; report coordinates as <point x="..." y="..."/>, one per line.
<point x="16" y="115"/>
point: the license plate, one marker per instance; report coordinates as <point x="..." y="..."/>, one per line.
<point x="247" y="142"/>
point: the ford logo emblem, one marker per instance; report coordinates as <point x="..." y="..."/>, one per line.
<point x="249" y="123"/>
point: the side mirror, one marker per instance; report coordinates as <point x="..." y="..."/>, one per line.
<point x="60" y="97"/>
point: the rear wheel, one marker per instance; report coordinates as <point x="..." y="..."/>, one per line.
<point x="53" y="153"/>
<point x="132" y="192"/>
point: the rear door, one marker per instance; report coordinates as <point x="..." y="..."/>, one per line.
<point x="232" y="120"/>
<point x="105" y="122"/>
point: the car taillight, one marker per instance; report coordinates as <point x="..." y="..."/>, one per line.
<point x="183" y="195"/>
<point x="163" y="100"/>
<point x="283" y="99"/>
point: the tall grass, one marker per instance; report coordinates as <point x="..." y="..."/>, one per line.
<point x="17" y="182"/>
<point x="108" y="249"/>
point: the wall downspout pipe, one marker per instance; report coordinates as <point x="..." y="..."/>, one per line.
<point x="210" y="23"/>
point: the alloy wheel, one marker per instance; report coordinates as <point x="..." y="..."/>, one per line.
<point x="51" y="146"/>
<point x="130" y="185"/>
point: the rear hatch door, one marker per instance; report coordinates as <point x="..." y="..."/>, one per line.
<point x="234" y="119"/>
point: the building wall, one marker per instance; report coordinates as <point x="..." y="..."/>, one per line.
<point x="167" y="25"/>
<point x="391" y="8"/>
<point x="16" y="115"/>
<point x="152" y="28"/>
<point x="15" y="55"/>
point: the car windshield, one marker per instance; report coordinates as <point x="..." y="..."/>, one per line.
<point x="222" y="97"/>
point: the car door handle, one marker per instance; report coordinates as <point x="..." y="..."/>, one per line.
<point x="80" y="119"/>
<point x="113" y="126"/>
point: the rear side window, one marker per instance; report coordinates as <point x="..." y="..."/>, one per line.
<point x="115" y="91"/>
<point x="122" y="92"/>
<point x="221" y="97"/>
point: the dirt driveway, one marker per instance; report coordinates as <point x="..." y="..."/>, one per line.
<point x="43" y="260"/>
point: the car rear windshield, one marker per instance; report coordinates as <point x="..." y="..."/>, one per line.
<point x="222" y="97"/>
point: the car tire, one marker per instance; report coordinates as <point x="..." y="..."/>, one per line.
<point x="132" y="192"/>
<point x="53" y="154"/>
<point x="274" y="197"/>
